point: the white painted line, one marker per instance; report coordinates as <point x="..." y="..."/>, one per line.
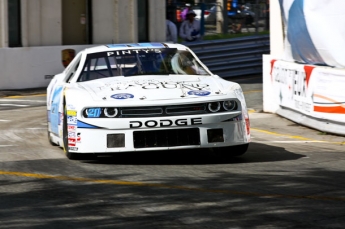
<point x="21" y="100"/>
<point x="2" y="120"/>
<point x="6" y="145"/>
<point x="14" y="105"/>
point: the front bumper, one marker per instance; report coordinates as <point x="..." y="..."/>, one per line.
<point x="214" y="130"/>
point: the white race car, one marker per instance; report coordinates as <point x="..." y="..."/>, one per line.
<point x="144" y="97"/>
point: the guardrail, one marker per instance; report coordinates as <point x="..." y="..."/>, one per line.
<point x="233" y="57"/>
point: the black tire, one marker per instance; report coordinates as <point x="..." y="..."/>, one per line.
<point x="231" y="151"/>
<point x="71" y="156"/>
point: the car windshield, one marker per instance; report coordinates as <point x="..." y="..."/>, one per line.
<point x="134" y="62"/>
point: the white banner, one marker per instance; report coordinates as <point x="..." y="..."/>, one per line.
<point x="314" y="31"/>
<point x="318" y="92"/>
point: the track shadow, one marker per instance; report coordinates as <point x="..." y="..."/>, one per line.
<point x="226" y="197"/>
<point x="256" y="153"/>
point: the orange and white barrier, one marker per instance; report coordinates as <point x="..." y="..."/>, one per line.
<point x="311" y="95"/>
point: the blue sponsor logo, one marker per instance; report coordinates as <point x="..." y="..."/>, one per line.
<point x="147" y="45"/>
<point x="116" y="45"/>
<point x="199" y="93"/>
<point x="122" y="96"/>
<point x="55" y="115"/>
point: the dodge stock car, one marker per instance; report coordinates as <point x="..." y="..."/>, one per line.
<point x="144" y="97"/>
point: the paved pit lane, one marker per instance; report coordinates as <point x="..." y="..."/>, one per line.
<point x="14" y="102"/>
<point x="291" y="177"/>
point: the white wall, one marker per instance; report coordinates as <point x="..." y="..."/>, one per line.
<point x="26" y="67"/>
<point x="276" y="29"/>
<point x="3" y="24"/>
<point x="157" y="24"/>
<point x="103" y="31"/>
<point x="41" y="22"/>
<point x="116" y="21"/>
<point x="113" y="21"/>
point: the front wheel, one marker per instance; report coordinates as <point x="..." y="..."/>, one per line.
<point x="231" y="151"/>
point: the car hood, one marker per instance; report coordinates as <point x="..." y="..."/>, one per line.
<point x="155" y="88"/>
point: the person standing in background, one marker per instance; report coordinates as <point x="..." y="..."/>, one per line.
<point x="171" y="29"/>
<point x="190" y="28"/>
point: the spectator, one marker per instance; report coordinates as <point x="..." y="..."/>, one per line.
<point x="238" y="20"/>
<point x="171" y="30"/>
<point x="185" y="11"/>
<point x="190" y="28"/>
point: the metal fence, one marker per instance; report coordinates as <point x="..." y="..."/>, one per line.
<point x="252" y="18"/>
<point x="233" y="57"/>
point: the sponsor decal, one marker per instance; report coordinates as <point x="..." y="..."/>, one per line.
<point x="199" y="93"/>
<point x="70" y="107"/>
<point x="73" y="148"/>
<point x="122" y="96"/>
<point x="72" y="120"/>
<point x="71" y="141"/>
<point x="72" y="134"/>
<point x="55" y="118"/>
<point x="71" y="113"/>
<point x="71" y="128"/>
<point x="165" y="123"/>
<point x="133" y="51"/>
<point x="293" y="87"/>
<point x="78" y="138"/>
<point x="158" y="84"/>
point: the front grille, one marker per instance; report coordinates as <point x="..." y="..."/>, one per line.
<point x="173" y="110"/>
<point x="187" y="109"/>
<point x="144" y="111"/>
<point x="166" y="138"/>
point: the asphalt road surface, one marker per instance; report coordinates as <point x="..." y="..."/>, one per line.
<point x="291" y="177"/>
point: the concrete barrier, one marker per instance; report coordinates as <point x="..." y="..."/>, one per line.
<point x="23" y="68"/>
<point x="307" y="94"/>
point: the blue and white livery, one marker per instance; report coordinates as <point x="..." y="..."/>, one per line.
<point x="144" y="97"/>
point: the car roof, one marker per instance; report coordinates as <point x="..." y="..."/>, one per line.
<point x="112" y="47"/>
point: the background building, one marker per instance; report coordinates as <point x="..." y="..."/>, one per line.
<point x="34" y="32"/>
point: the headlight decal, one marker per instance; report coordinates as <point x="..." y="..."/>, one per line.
<point x="214" y="107"/>
<point x="93" y="112"/>
<point x="230" y="105"/>
<point x="110" y="112"/>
